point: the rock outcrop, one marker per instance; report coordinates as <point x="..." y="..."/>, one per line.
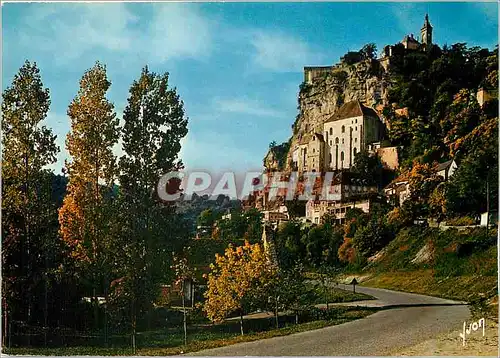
<point x="366" y="81"/>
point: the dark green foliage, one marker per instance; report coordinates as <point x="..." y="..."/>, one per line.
<point x="296" y="208"/>
<point x="289" y="247"/>
<point x="242" y="225"/>
<point x="369" y="51"/>
<point x="207" y="218"/>
<point x="31" y="251"/>
<point x="352" y="57"/>
<point x="427" y="83"/>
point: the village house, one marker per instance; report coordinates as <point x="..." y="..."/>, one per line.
<point x="316" y="209"/>
<point x="399" y="189"/>
<point x="350" y="192"/>
<point x="484" y="95"/>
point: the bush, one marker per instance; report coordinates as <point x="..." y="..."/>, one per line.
<point x="461" y="221"/>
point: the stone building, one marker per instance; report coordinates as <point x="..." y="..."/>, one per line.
<point x="348" y="132"/>
<point x="409" y="42"/>
<point x="316" y="209"/>
<point x="484" y="95"/>
<point x="310" y="153"/>
<point x="349" y="191"/>
<point x="426" y="34"/>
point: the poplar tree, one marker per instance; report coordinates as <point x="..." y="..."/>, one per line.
<point x="154" y="124"/>
<point x="87" y="207"/>
<point x="27" y="148"/>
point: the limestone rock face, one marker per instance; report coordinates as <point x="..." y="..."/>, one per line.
<point x="366" y="81"/>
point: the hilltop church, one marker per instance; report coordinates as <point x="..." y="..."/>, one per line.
<point x="354" y="127"/>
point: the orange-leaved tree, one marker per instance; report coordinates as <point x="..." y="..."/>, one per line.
<point x="86" y="211"/>
<point x="238" y="282"/>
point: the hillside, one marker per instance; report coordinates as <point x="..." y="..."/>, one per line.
<point x="454" y="264"/>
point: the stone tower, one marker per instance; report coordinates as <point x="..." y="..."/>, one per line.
<point x="426" y="33"/>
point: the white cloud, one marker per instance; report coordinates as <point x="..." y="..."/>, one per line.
<point x="246" y="106"/>
<point x="71" y="31"/>
<point x="179" y="31"/>
<point x="216" y="152"/>
<point x="281" y="52"/>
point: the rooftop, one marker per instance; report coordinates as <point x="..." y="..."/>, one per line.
<point x="352" y="109"/>
<point x="444" y="166"/>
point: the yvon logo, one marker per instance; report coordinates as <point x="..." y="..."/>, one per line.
<point x="472" y="327"/>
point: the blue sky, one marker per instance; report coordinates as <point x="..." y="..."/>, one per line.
<point x="237" y="66"/>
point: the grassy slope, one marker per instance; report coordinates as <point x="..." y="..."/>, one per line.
<point x="461" y="265"/>
<point x="170" y="342"/>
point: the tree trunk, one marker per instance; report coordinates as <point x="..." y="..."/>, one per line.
<point x="241" y="321"/>
<point x="106" y="313"/>
<point x="192" y="294"/>
<point x="184" y="310"/>
<point x="296" y="317"/>
<point x="5" y="323"/>
<point x="134" y="324"/>
<point x="96" y="306"/>
<point x="276" y="314"/>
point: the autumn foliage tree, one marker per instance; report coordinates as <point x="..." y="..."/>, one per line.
<point x="87" y="209"/>
<point x="238" y="282"/>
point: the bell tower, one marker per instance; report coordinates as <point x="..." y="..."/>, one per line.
<point x="426" y="33"/>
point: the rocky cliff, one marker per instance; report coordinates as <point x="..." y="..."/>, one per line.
<point x="366" y="81"/>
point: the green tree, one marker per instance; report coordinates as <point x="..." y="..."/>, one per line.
<point x="289" y="247"/>
<point x="207" y="218"/>
<point x="28" y="213"/>
<point x="288" y="292"/>
<point x="154" y="124"/>
<point x="368" y="168"/>
<point x="369" y="51"/>
<point x="477" y="154"/>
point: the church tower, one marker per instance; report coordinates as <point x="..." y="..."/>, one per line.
<point x="426" y="33"/>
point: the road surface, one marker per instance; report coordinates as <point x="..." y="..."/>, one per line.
<point x="411" y="319"/>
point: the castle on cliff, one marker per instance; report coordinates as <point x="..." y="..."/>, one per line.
<point x="409" y="42"/>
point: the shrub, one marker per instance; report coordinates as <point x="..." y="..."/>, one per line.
<point x="461" y="221"/>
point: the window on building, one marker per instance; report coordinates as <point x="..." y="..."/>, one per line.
<point x="330" y="142"/>
<point x="355" y="151"/>
<point x="355" y="140"/>
<point x="343" y="129"/>
<point x="342" y="140"/>
<point x="356" y="128"/>
<point x="315" y="220"/>
<point x="356" y="120"/>
<point x="331" y="131"/>
<point x="330" y="157"/>
<point x="341" y="156"/>
<point x="314" y="150"/>
<point x="337" y="140"/>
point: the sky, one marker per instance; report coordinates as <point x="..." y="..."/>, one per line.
<point x="236" y="66"/>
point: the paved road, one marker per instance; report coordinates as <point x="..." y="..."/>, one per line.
<point x="413" y="319"/>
